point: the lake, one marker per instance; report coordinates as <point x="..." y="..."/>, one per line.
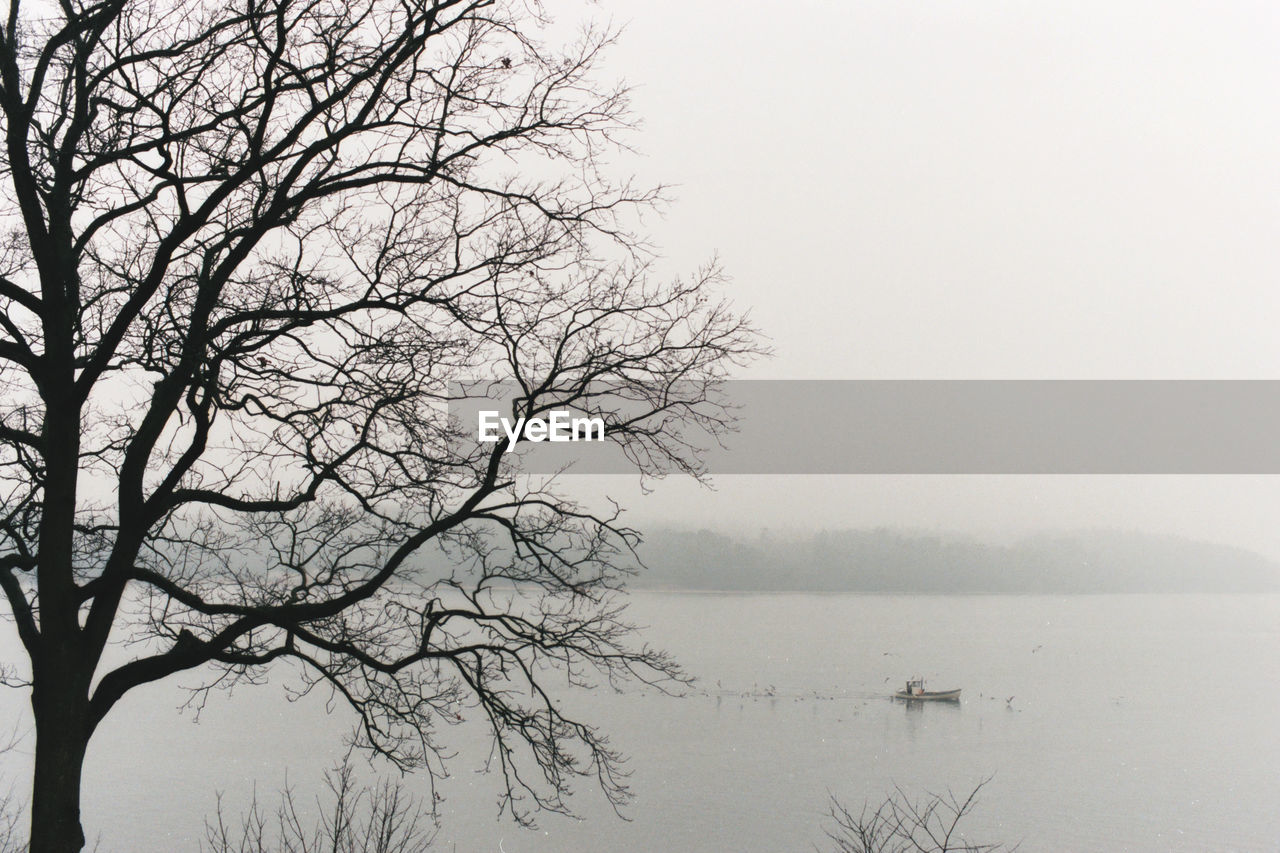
<point x="1127" y="722"/>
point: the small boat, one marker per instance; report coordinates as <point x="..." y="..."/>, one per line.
<point x="915" y="692"/>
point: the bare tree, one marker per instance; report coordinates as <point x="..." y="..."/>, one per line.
<point x="906" y="824"/>
<point x="248" y="246"/>
<point x="13" y="836"/>
<point x="378" y="818"/>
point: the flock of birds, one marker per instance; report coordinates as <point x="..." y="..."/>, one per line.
<point x="756" y="693"/>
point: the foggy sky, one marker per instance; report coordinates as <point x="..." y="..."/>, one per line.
<point x="972" y="190"/>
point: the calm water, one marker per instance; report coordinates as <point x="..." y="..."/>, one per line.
<point x="1135" y="723"/>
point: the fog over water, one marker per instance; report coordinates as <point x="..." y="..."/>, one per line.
<point x="1131" y="722"/>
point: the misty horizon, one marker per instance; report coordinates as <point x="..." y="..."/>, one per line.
<point x="904" y="560"/>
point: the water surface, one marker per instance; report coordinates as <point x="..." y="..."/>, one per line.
<point x="1131" y="722"/>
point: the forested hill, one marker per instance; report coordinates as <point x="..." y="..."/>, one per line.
<point x="885" y="560"/>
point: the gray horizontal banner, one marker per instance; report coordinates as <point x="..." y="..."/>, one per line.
<point x="953" y="427"/>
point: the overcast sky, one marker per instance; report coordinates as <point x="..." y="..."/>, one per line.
<point x="974" y="190"/>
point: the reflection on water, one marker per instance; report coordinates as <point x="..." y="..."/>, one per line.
<point x="941" y="707"/>
<point x="920" y="714"/>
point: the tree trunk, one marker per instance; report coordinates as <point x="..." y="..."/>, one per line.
<point x="62" y="737"/>
<point x="60" y="668"/>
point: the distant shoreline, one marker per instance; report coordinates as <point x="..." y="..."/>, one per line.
<point x="885" y="561"/>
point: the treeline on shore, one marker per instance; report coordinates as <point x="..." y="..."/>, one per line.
<point x="891" y="560"/>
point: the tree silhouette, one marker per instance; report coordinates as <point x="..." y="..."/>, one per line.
<point x="907" y="824"/>
<point x="249" y="248"/>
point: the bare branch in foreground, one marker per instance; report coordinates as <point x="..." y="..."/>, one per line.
<point x="907" y="824"/>
<point x="381" y="817"/>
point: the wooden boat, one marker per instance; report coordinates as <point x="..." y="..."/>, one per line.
<point x="915" y="692"/>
